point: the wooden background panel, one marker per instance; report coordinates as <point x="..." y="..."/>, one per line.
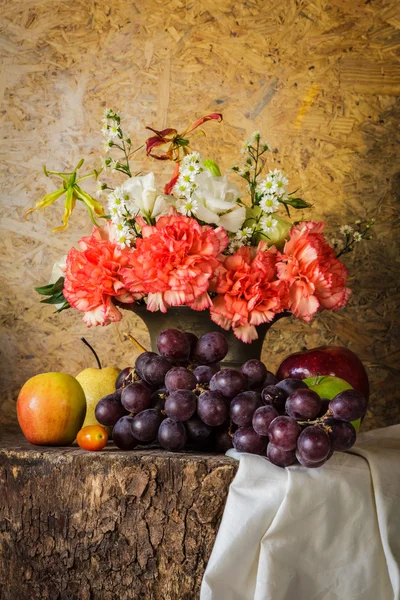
<point x="320" y="79"/>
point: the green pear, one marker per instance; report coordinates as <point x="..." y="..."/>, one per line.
<point x="96" y="384"/>
<point x="327" y="386"/>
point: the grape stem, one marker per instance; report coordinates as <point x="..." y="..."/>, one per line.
<point x="317" y="421"/>
<point x="93" y="350"/>
<point x="134" y="341"/>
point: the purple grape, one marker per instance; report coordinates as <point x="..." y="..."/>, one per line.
<point x="270" y="379"/>
<point x="307" y="463"/>
<point x="141" y="360"/>
<point x="135" y="397"/>
<point x="279" y="457"/>
<point x="198" y="431"/>
<point x="212" y="408"/>
<point x="158" y="399"/>
<point x="229" y="382"/>
<point x="172" y="435"/>
<point x="243" y="406"/>
<point x="274" y="396"/>
<point x="283" y="433"/>
<point x="180" y="378"/>
<point x="222" y="439"/>
<point x="245" y="439"/>
<point x="262" y="419"/>
<point x="122" y="434"/>
<point x="145" y="425"/>
<point x="122" y="377"/>
<point x="109" y="409"/>
<point x="324" y="407"/>
<point x="256" y="373"/>
<point x="303" y="404"/>
<point x="155" y="369"/>
<point x="341" y="434"/>
<point x="173" y="344"/>
<point x="211" y="348"/>
<point x="349" y="405"/>
<point x="290" y="385"/>
<point x="313" y="444"/>
<point x="192" y="339"/>
<point x="147" y="385"/>
<point x="204" y="373"/>
<point x="181" y="405"/>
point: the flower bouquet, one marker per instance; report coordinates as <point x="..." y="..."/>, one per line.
<point x="197" y="242"/>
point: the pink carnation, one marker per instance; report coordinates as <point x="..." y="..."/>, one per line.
<point x="174" y="262"/>
<point x="93" y="277"/>
<point x="248" y="291"/>
<point x="316" y="278"/>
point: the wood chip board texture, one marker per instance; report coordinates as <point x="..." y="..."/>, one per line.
<point x="321" y="80"/>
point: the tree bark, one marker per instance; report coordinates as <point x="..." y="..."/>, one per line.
<point x="107" y="525"/>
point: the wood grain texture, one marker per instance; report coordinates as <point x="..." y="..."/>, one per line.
<point x="320" y="79"/>
<point x="129" y="525"/>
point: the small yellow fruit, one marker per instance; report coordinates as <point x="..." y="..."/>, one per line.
<point x="96" y="384"/>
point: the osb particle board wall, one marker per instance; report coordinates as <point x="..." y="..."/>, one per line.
<point x="320" y="79"/>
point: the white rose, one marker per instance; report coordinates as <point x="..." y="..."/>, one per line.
<point x="217" y="201"/>
<point x="144" y="197"/>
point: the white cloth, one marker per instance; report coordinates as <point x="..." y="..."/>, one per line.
<point x="312" y="534"/>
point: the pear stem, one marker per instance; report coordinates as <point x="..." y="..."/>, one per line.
<point x="93" y="350"/>
<point x="139" y="346"/>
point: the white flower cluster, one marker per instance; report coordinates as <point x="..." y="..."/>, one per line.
<point x="111" y="128"/>
<point x="252" y="142"/>
<point x="241" y="238"/>
<point x="272" y="190"/>
<point x="119" y="213"/>
<point x="191" y="166"/>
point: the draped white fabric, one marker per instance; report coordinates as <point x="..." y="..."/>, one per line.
<point x="312" y="534"/>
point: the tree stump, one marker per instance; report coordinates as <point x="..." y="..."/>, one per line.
<point x="109" y="525"/>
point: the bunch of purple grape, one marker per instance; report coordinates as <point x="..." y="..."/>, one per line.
<point x="182" y="397"/>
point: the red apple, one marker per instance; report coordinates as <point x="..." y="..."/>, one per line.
<point x="51" y="408"/>
<point x="336" y="361"/>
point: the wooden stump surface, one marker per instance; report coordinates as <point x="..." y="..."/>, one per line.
<point x="109" y="525"/>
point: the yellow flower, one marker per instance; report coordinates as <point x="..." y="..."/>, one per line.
<point x="73" y="192"/>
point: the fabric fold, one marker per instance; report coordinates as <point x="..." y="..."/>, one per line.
<point x="312" y="534"/>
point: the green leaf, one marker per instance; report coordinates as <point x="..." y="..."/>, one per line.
<point x="296" y="203"/>
<point x="63" y="307"/>
<point x="51" y="288"/>
<point x="55" y="299"/>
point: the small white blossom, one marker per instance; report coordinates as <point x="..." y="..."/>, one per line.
<point x="234" y="246"/>
<point x="269" y="204"/>
<point x="267" y="186"/>
<point x="113" y="131"/>
<point x="116" y="204"/>
<point x="243" y="171"/>
<point x="187" y="207"/>
<point x="268" y="224"/>
<point x="100" y="187"/>
<point x="357" y="236"/>
<point x="346" y="230"/>
<point x="107" y="145"/>
<point x="255" y="136"/>
<point x="192" y="158"/>
<point x="358" y="222"/>
<point x="182" y="188"/>
<point x="244" y="234"/>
